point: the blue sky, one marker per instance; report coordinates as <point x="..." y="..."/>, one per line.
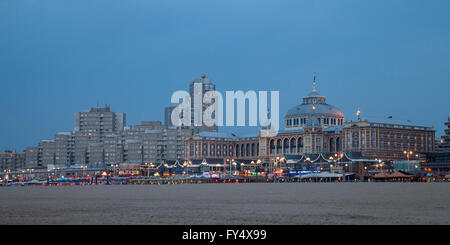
<point x="59" y="57"/>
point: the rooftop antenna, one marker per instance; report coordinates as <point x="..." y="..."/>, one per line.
<point x="314" y="83"/>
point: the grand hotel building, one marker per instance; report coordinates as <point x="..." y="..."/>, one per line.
<point x="315" y="127"/>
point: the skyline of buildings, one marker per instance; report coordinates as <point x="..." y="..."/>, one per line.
<point x="101" y="137"/>
<point x="316" y="127"/>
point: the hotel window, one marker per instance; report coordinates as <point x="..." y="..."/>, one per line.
<point x="388" y="140"/>
<point x="355" y="139"/>
<point x="318" y="149"/>
<point x="219" y="147"/>
<point x="300" y="145"/>
<point x="308" y="140"/>
<point x="213" y="150"/>
<point x="374" y="139"/>
<point x="289" y="122"/>
<point x="363" y="140"/>
<point x="205" y="149"/>
<point x="395" y="141"/>
<point x="401" y="142"/>
<point x="430" y="146"/>
<point x="224" y="150"/>
<point x="422" y="142"/>
<point x="318" y="141"/>
<point x="348" y="140"/>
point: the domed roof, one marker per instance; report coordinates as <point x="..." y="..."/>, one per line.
<point x="313" y="122"/>
<point x="314" y="104"/>
<point x="314" y="94"/>
<point x="320" y="109"/>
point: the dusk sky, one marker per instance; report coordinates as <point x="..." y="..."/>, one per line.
<point x="389" y="58"/>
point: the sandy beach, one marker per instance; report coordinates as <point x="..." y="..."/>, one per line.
<point x="228" y="204"/>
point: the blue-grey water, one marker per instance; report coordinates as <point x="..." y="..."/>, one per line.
<point x="262" y="203"/>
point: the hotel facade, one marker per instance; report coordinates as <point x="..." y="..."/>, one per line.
<point x="316" y="127"/>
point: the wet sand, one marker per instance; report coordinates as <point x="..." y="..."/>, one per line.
<point x="264" y="203"/>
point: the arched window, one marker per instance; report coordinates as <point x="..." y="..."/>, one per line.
<point x="285" y="146"/>
<point x="332" y="145"/>
<point x="272" y="146"/>
<point x="293" y="145"/>
<point x="237" y="150"/>
<point x="300" y="145"/>
<point x="279" y="146"/>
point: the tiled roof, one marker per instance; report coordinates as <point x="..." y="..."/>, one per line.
<point x="307" y="109"/>
<point x="392" y="121"/>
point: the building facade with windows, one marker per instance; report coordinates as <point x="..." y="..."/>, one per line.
<point x="221" y="146"/>
<point x="316" y="127"/>
<point x="10" y="160"/>
<point x="388" y="138"/>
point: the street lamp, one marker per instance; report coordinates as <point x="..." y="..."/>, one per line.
<point x="231" y="162"/>
<point x="84" y="168"/>
<point x="345" y="171"/>
<point x="148" y="169"/>
<point x="408" y="154"/>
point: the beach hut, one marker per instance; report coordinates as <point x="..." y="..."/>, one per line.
<point x="397" y="175"/>
<point x="381" y="176"/>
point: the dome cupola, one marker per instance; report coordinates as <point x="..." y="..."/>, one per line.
<point x="314" y="105"/>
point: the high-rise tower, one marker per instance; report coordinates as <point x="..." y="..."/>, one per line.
<point x="206" y="86"/>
